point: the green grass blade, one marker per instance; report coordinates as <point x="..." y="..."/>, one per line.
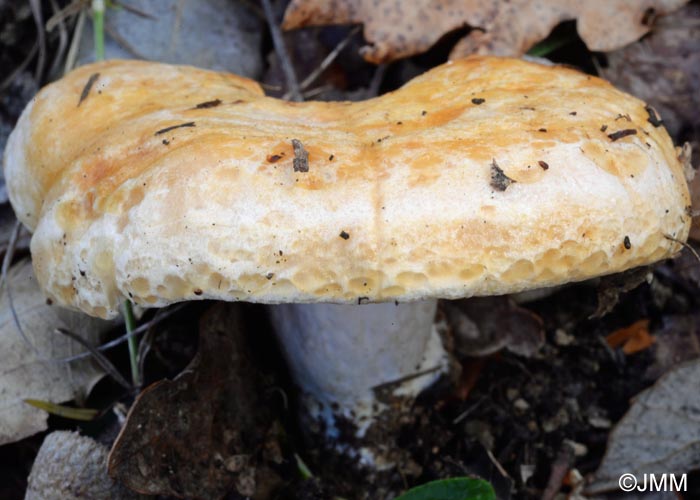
<point x="84" y="414"/>
<point x="459" y="488"/>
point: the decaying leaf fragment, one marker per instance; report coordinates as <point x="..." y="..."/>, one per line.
<point x="26" y="374"/>
<point x="484" y="325"/>
<point x="200" y="435"/>
<point x="660" y="433"/>
<point x="397" y="29"/>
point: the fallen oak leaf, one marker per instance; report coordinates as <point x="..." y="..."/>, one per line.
<point x="659" y="434"/>
<point x="200" y="434"/>
<point x="603" y="25"/>
<point x="509" y="28"/>
<point x="30" y="371"/>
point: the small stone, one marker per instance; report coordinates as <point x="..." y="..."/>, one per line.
<point x="580" y="450"/>
<point x="600" y="422"/>
<point x="235" y="463"/>
<point x="521" y="404"/>
<point x="561" y="338"/>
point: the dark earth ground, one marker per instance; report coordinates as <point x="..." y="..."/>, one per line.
<point x="505" y="412"/>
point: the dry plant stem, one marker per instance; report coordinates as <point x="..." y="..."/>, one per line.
<point x="75" y="43"/>
<point x="327" y="61"/>
<point x="341" y="356"/>
<point x="41" y="38"/>
<point x="133" y="10"/>
<point x="376" y="82"/>
<point x="62" y="39"/>
<point x="281" y="51"/>
<point x="123" y="42"/>
<point x="130" y="323"/>
<point x="99" y="358"/>
<point x="123" y="338"/>
<point x="73" y="8"/>
<point x="5" y="282"/>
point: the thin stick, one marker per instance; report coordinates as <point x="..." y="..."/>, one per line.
<point x="99" y="357"/>
<point x="377" y="80"/>
<point x="327" y="61"/>
<point x="123" y="338"/>
<point x="133" y="10"/>
<point x="281" y="50"/>
<point x="317" y="91"/>
<point x="75" y="43"/>
<point x="685" y="245"/>
<point x="124" y="43"/>
<point x="35" y="5"/>
<point x="130" y="323"/>
<point x="73" y="8"/>
<point x="405" y="378"/>
<point x="62" y="39"/>
<point x="5" y="282"/>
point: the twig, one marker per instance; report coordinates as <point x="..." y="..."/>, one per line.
<point x="280" y="49"/>
<point x="468" y="411"/>
<point x="406" y="378"/>
<point x="99" y="358"/>
<point x="498" y="465"/>
<point x="377" y="79"/>
<point x="62" y="39"/>
<point x="327" y="61"/>
<point x="285" y="401"/>
<point x="133" y="10"/>
<point x="5" y="282"/>
<point x="123" y="338"/>
<point x="35" y="5"/>
<point x="75" y="43"/>
<point x="61" y="15"/>
<point x="317" y="91"/>
<point x="561" y="465"/>
<point x="123" y="42"/>
<point x="685" y="245"/>
<point x="130" y="324"/>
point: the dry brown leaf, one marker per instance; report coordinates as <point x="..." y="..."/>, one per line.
<point x="397" y="29"/>
<point x="633" y="338"/>
<point x="201" y="434"/>
<point x="26" y="375"/>
<point x="484" y="325"/>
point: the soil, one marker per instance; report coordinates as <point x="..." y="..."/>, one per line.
<point x="511" y="419"/>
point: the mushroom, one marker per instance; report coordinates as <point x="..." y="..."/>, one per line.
<point x="483" y="176"/>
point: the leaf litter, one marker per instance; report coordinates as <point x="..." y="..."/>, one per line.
<point x="396" y="29"/>
<point x="660" y="434"/>
<point x="204" y="432"/>
<point x="24" y="374"/>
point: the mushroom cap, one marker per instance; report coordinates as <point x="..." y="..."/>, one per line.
<point x="482" y="176"/>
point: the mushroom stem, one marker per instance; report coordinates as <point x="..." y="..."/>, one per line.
<point x="352" y="361"/>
